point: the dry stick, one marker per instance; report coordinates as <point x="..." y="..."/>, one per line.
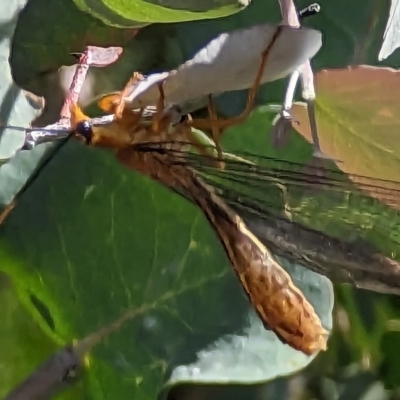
<point x="291" y="18"/>
<point x="49" y="378"/>
<point x="93" y="56"/>
<point x="60" y="370"/>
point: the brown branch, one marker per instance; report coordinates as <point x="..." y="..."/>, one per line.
<point x="55" y="374"/>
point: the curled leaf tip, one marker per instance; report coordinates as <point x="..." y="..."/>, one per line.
<point x="102" y="57"/>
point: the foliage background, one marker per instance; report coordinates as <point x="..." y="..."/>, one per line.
<point x="86" y="213"/>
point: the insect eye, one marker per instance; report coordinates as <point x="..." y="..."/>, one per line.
<point x="184" y="118"/>
<point x="85" y="130"/>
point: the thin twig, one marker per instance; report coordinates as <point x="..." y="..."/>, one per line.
<point x="93" y="56"/>
<point x="55" y="374"/>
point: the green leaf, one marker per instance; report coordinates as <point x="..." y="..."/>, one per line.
<point x="18" y="109"/>
<point x="389" y="369"/>
<point x="62" y="244"/>
<point x="23" y="344"/>
<point x="352" y="34"/>
<point x="92" y="240"/>
<point x="218" y="67"/>
<point x="36" y="51"/>
<point x="365" y="223"/>
<point x="358" y="120"/>
<point x="15" y="107"/>
<point x="126" y="14"/>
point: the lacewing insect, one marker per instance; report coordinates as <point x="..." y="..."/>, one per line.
<point x="240" y="188"/>
<point x="275" y="200"/>
<point x="137" y="137"/>
<point x="346" y="227"/>
<point x="280" y="304"/>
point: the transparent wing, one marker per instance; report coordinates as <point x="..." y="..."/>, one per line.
<point x="344" y="226"/>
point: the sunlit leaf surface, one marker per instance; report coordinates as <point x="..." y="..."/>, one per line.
<point x="90" y="241"/>
<point x="36" y="51"/>
<point x="218" y="67"/>
<point x="357" y="120"/>
<point x="133" y="13"/>
<point x="391" y="37"/>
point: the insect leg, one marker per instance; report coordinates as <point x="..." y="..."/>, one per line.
<point x="216" y="133"/>
<point x="226" y="123"/>
<point x="282" y="124"/>
<point x="114" y="103"/>
<point x="155" y="125"/>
